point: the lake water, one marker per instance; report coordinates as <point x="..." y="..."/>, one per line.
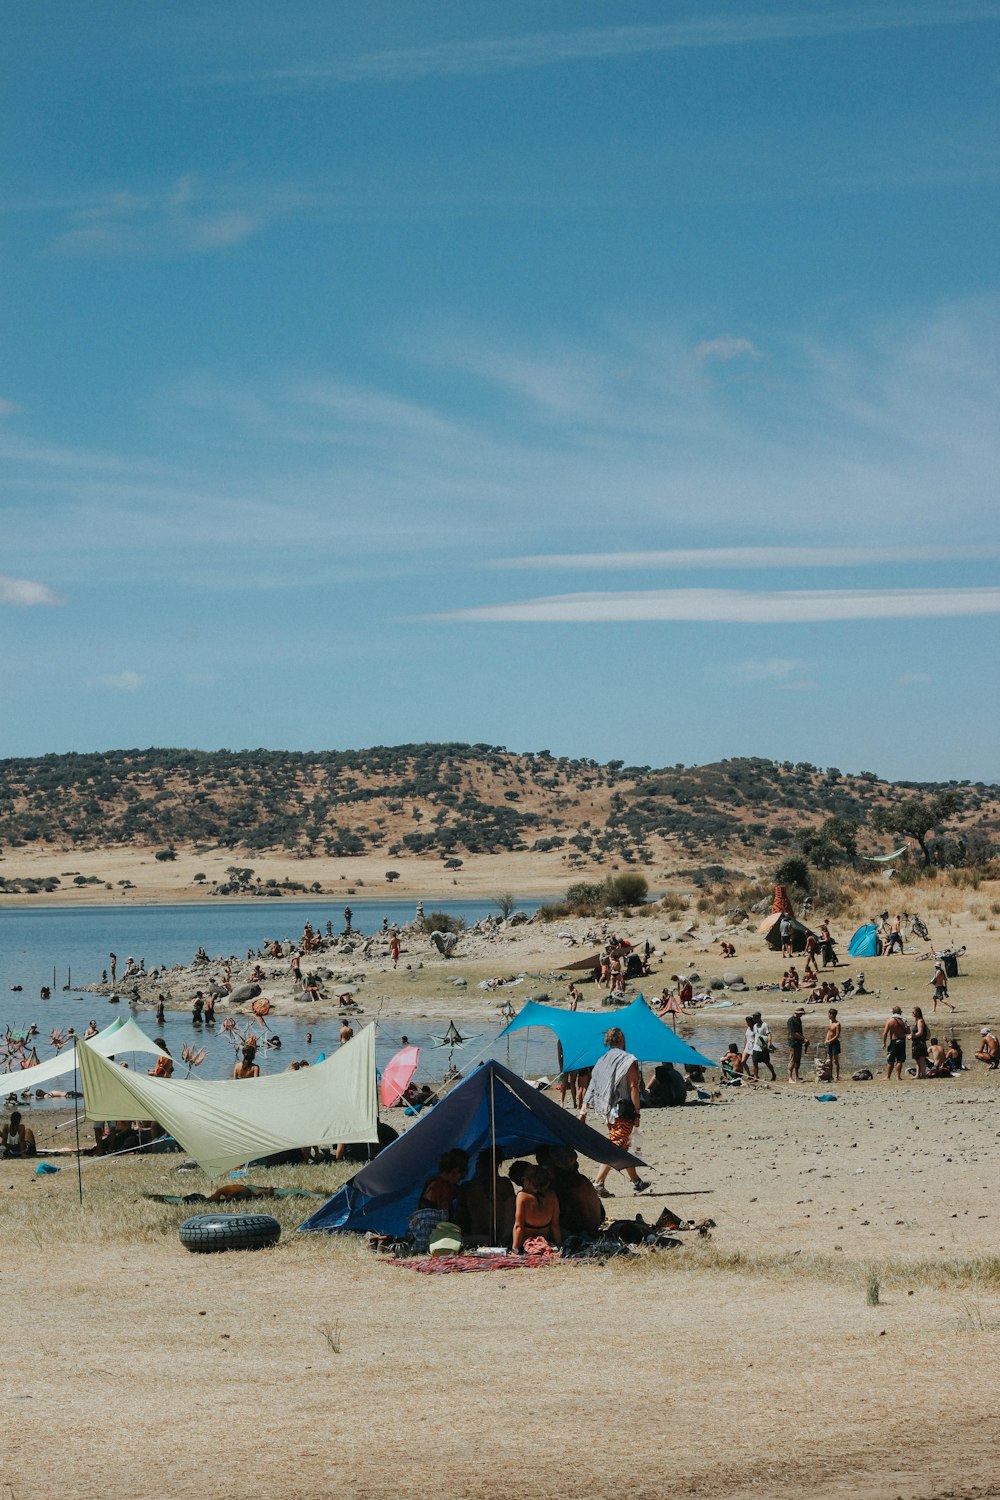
<point x="76" y="942"/>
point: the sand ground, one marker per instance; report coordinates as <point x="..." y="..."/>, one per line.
<point x="749" y="1364"/>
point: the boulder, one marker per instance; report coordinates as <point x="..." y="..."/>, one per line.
<point x="736" y="916"/>
<point x="731" y="977"/>
<point x="445" y="942"/>
<point x="717" y="984"/>
<point x="244" y="992"/>
<point x="518" y="919"/>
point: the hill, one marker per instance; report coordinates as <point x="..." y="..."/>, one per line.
<point x="453" y="800"/>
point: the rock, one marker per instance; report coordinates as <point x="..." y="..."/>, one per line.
<point x="716" y="984"/>
<point x="460" y="983"/>
<point x="444" y="942"/>
<point x="731" y="977"/>
<point x="518" y="919"/>
<point x="736" y="916"/>
<point x="245" y="992"/>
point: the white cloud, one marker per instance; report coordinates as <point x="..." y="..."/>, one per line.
<point x="25" y="592"/>
<point x="542" y="49"/>
<point x="769" y="670"/>
<point x="747" y="558"/>
<point x="725" y="349"/>
<point x="186" y="217"/>
<point x="120" y="682"/>
<point x="735" y="606"/>
<point x="913" y="677"/>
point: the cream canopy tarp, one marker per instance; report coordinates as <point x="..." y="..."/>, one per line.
<point x="224" y="1123"/>
<point x="120" y="1036"/>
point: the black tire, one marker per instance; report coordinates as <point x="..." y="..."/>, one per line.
<point x="206" y="1233"/>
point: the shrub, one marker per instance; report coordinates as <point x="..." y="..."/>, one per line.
<point x="626" y="890"/>
<point x="793" y="871"/>
<point x="443" y="921"/>
<point x="162" y="854"/>
<point x="391" y="875"/>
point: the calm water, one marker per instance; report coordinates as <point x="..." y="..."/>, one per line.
<point x="33" y="942"/>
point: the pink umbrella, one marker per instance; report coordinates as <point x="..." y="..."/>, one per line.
<point x="396" y="1075"/>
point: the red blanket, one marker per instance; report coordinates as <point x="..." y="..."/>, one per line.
<point x="441" y="1265"/>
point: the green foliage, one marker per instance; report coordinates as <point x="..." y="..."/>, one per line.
<point x="917" y="817"/>
<point x="391" y="875"/>
<point x="626" y="890"/>
<point x="165" y="854"/>
<point x="794" y="872"/>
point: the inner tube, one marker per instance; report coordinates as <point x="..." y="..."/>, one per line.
<point x="207" y="1233"/>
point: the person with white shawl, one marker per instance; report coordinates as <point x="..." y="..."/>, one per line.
<point x="613" y="1093"/>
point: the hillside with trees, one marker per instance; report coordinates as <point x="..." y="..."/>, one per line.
<point x="450" y="801"/>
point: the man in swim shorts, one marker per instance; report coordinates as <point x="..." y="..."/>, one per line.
<point x="894" y="1041"/>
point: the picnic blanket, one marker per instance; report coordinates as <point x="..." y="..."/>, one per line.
<point x="443" y="1265"/>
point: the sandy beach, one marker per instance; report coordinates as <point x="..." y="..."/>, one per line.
<point x="748" y="1362"/>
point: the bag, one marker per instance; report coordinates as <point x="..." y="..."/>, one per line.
<point x="445" y="1239"/>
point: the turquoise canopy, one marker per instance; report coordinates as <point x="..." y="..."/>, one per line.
<point x="581" y="1034"/>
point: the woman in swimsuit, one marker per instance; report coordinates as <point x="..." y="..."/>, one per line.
<point x="537" y="1211"/>
<point x="17" y="1139"/>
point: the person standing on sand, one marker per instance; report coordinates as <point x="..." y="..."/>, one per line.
<point x="832" y="1043"/>
<point x="918" y="1042"/>
<point x="113" y="959"/>
<point x="796" y="1042"/>
<point x="613" y="1092"/>
<point x="573" y="997"/>
<point x="785" y="931"/>
<point x="894" y="1041"/>
<point x="394" y="949"/>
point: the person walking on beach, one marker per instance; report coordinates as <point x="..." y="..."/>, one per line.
<point x="613" y="1092"/>
<point x="762" y="1046"/>
<point x="796" y="1042"/>
<point x="832" y="1042"/>
<point x="394" y="949"/>
<point x="939" y="980"/>
<point x="894" y="1042"/>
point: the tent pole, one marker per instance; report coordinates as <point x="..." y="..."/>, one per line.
<point x="493" y="1163"/>
<point x="76" y="1116"/>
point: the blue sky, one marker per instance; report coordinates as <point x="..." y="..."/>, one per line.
<point x="616" y="379"/>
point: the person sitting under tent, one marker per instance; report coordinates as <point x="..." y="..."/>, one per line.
<point x="438" y="1197"/>
<point x="536" y="1216"/>
<point x="486" y="1203"/>
<point x="580" y="1208"/>
<point x="16" y="1138"/>
<point x="666" y="1088"/>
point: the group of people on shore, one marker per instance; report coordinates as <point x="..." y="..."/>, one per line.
<point x="931" y="1056"/>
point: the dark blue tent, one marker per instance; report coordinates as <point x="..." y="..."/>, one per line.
<point x="491" y="1106"/>
<point x="864" y="943"/>
<point x="581" y="1034"/>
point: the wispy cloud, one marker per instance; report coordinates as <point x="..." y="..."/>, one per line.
<point x="735" y="606"/>
<point x="725" y="349"/>
<point x="910" y="678"/>
<point x="749" y="558"/>
<point x="120" y="682"/>
<point x="189" y="216"/>
<point x="25" y="592"/>
<point x="771" y="669"/>
<point x="543" y="49"/>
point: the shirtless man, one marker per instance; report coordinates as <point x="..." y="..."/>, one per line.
<point x="346" y="1032"/>
<point x="989" y="1052"/>
<point x="894" y="1041"/>
<point x="832" y="1043"/>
